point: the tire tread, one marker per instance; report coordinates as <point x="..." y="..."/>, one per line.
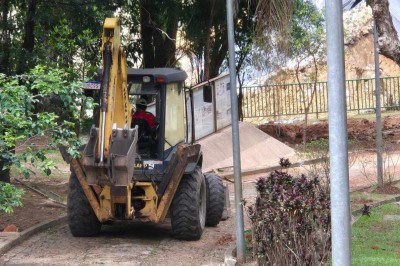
<point x="215" y="199"/>
<point x="82" y="220"/>
<point x="185" y="220"/>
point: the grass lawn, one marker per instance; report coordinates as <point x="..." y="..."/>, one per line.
<point x="376" y="239"/>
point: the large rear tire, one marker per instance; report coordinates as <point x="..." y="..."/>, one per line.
<point x="82" y="220"/>
<point x="188" y="208"/>
<point x="215" y="199"/>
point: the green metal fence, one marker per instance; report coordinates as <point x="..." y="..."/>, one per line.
<point x="293" y="99"/>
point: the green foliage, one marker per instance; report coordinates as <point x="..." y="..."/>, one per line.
<point x="299" y="38"/>
<point x="130" y="21"/>
<point x="66" y="34"/>
<point x="10" y="197"/>
<point x="205" y="31"/>
<point x="25" y="119"/>
<point x="375" y="239"/>
<point x="316" y="148"/>
<point x="307" y="29"/>
<point x="32" y="124"/>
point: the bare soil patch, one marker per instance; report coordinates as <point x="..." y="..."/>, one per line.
<point x="388" y="190"/>
<point x="35" y="209"/>
<point x="361" y="201"/>
<point x="361" y="130"/>
<point x="225" y="239"/>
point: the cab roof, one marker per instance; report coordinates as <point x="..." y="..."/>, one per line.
<point x="169" y="74"/>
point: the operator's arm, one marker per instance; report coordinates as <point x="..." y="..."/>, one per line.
<point x="151" y="120"/>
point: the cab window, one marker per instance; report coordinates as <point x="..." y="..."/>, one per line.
<point x="174" y="115"/>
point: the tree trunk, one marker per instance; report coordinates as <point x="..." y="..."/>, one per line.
<point x="170" y="43"/>
<point x="4" y="38"/>
<point x="4" y="174"/>
<point x="207" y="47"/>
<point x="218" y="52"/>
<point x="389" y="43"/>
<point x="165" y="45"/>
<point x="158" y="38"/>
<point x="240" y="96"/>
<point x="29" y="38"/>
<point x="146" y="32"/>
<point x="240" y="62"/>
<point x="28" y="44"/>
<point x="303" y="95"/>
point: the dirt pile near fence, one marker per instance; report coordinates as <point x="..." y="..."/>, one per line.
<point x="359" y="130"/>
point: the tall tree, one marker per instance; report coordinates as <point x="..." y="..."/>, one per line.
<point x="307" y="44"/>
<point x="159" y="28"/>
<point x="28" y="44"/>
<point x="4" y="37"/>
<point x="389" y="38"/>
<point x="245" y="27"/>
<point x="204" y="27"/>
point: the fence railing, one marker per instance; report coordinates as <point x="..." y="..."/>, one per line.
<point x="294" y="99"/>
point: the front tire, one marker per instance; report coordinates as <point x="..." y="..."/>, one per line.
<point x="82" y="220"/>
<point x="188" y="208"/>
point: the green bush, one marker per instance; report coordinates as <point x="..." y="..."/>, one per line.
<point x="10" y="197"/>
<point x="290" y="221"/>
<point x="27" y="116"/>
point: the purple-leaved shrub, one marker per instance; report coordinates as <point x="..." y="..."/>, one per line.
<point x="291" y="221"/>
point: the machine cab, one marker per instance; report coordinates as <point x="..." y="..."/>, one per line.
<point x="162" y="91"/>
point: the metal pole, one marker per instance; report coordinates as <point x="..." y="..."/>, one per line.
<point x="235" y="135"/>
<point x="338" y="147"/>
<point x="378" y="122"/>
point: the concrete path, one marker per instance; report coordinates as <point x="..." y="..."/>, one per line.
<point x="256" y="147"/>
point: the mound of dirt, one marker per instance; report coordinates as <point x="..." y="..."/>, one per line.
<point x="359" y="130"/>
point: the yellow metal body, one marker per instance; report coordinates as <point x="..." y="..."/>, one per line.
<point x="118" y="105"/>
<point x="102" y="213"/>
<point x="103" y="200"/>
<point x="151" y="200"/>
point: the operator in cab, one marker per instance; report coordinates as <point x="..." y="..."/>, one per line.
<point x="141" y="114"/>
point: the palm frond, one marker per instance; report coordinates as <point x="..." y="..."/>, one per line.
<point x="273" y="18"/>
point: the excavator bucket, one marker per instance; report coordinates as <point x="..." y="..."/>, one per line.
<point x="118" y="168"/>
<point x="122" y="155"/>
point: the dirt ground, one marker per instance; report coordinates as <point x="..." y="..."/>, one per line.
<point x="38" y="208"/>
<point x="129" y="243"/>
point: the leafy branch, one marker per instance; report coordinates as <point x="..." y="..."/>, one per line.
<point x="38" y="112"/>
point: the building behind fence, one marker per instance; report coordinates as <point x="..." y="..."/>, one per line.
<point x="293" y="99"/>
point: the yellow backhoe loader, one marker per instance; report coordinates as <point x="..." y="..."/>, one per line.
<point x="130" y="172"/>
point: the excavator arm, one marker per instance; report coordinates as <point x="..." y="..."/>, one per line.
<point x="110" y="153"/>
<point x="114" y="106"/>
